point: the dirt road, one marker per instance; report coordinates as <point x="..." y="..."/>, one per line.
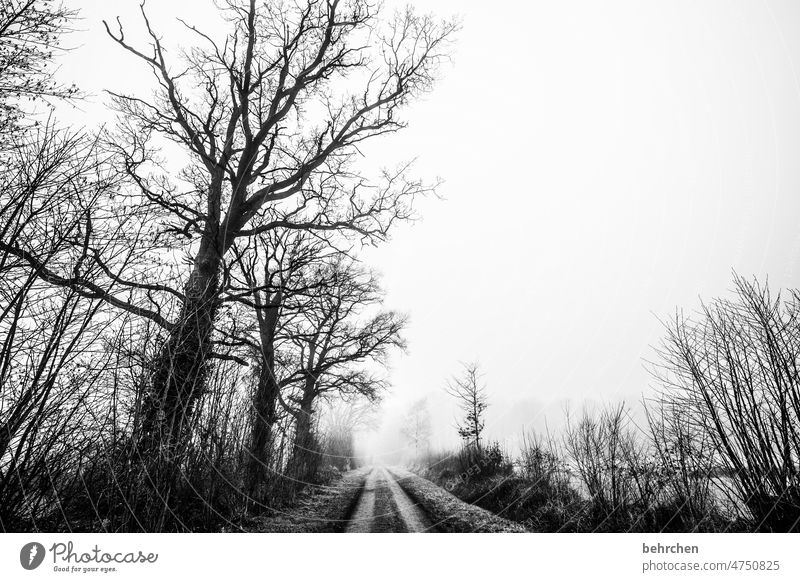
<point x="385" y="507"/>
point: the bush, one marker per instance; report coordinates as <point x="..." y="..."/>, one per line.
<point x="732" y="373"/>
<point x="483" y="462"/>
<point x="487" y="478"/>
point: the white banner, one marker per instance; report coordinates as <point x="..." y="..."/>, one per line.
<point x="373" y="557"/>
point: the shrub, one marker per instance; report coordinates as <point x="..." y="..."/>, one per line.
<point x="731" y="371"/>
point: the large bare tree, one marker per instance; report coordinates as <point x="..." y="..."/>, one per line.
<point x="269" y="118"/>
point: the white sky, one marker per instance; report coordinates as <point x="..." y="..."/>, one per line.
<point x="604" y="163"/>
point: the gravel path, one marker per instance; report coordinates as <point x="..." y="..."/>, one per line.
<point x="385" y="507"/>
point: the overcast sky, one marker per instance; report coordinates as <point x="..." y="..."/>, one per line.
<point x="603" y="162"/>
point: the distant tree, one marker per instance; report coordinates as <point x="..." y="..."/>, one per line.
<point x="417" y="426"/>
<point x="341" y="421"/>
<point x="471" y="396"/>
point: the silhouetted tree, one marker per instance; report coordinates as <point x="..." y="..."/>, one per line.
<point x="470" y="394"/>
<point x="270" y="144"/>
<point x="331" y="343"/>
<point x="273" y="269"/>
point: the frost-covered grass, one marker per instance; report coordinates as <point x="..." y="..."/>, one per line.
<point x="537" y="496"/>
<point x="448" y="513"/>
<point x="321" y="509"/>
<point x="541" y="491"/>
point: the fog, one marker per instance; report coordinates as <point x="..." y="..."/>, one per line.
<point x="603" y="165"/>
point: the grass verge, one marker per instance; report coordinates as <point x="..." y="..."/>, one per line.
<point x="321" y="509"/>
<point x="450" y="514"/>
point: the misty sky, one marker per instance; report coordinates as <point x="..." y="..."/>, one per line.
<point x="603" y="162"/>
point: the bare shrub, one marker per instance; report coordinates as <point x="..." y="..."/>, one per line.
<point x="686" y="459"/>
<point x="540" y="462"/>
<point x="613" y="467"/>
<point x="732" y="371"/>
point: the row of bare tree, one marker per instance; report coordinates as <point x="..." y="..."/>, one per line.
<point x="170" y="327"/>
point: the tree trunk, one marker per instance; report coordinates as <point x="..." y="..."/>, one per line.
<point x="265" y="402"/>
<point x="304" y="461"/>
<point x="180" y="369"/>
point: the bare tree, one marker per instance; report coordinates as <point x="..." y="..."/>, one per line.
<point x="333" y="346"/>
<point x="341" y="421"/>
<point x="417" y="427"/>
<point x="258" y="158"/>
<point x="270" y="119"/>
<point x="470" y="393"/>
<point x="30" y="34"/>
<point x="270" y="278"/>
<point x="59" y="397"/>
<point x="732" y="372"/>
<point x="49" y="178"/>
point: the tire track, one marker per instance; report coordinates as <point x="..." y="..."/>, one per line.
<point x="385" y="507"/>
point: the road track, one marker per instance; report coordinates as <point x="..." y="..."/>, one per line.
<point x="385" y="507"/>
